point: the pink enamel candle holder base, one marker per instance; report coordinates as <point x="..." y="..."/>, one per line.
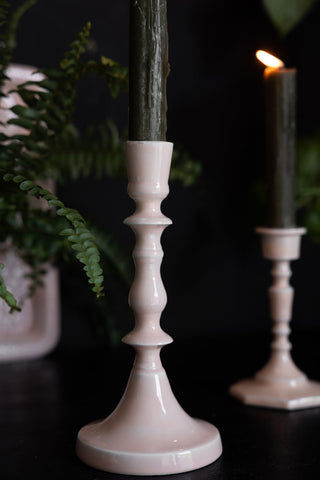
<point x="280" y="384"/>
<point x="148" y="433"/>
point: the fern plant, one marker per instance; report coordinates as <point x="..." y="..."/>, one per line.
<point x="23" y="159"/>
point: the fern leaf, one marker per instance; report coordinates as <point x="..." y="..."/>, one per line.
<point x="6" y="295"/>
<point x="90" y="256"/>
<point x="102" y="150"/>
<point x="9" y="20"/>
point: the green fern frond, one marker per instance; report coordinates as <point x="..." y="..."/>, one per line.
<point x="9" y="20"/>
<point x="100" y="150"/>
<point x="115" y="75"/>
<point x="70" y="62"/>
<point x="5" y="52"/>
<point x="79" y="237"/>
<point x="4" y="6"/>
<point x="116" y="259"/>
<point x="7" y="296"/>
<point x="15" y="16"/>
<point x="184" y="168"/>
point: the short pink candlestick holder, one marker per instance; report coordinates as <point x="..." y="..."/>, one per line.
<point x="148" y="433"/>
<point x="280" y="384"/>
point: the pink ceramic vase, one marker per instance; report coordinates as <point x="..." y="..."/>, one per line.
<point x="35" y="330"/>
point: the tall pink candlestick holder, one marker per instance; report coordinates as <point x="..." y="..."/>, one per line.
<point x="280" y="384"/>
<point x="148" y="433"/>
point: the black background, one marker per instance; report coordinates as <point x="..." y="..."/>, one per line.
<point x="213" y="270"/>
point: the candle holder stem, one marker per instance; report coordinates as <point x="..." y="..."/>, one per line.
<point x="280" y="367"/>
<point x="280" y="384"/>
<point x="148" y="433"/>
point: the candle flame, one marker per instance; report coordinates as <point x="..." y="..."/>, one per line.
<point x="269" y="60"/>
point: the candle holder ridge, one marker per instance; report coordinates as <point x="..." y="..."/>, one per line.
<point x="148" y="433"/>
<point x="279" y="384"/>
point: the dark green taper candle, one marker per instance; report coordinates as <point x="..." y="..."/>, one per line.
<point x="280" y="96"/>
<point x="280" y="91"/>
<point x="148" y="70"/>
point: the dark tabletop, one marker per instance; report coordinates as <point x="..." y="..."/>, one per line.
<point x="43" y="404"/>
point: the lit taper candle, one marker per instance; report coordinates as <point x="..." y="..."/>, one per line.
<point x="148" y="70"/>
<point x="280" y="93"/>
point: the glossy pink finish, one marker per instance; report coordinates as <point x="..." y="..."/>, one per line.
<point x="148" y="433"/>
<point x="36" y="330"/>
<point x="280" y="384"/>
<point x="39" y="329"/>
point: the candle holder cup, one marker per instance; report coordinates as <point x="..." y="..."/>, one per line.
<point x="148" y="433"/>
<point x="279" y="384"/>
